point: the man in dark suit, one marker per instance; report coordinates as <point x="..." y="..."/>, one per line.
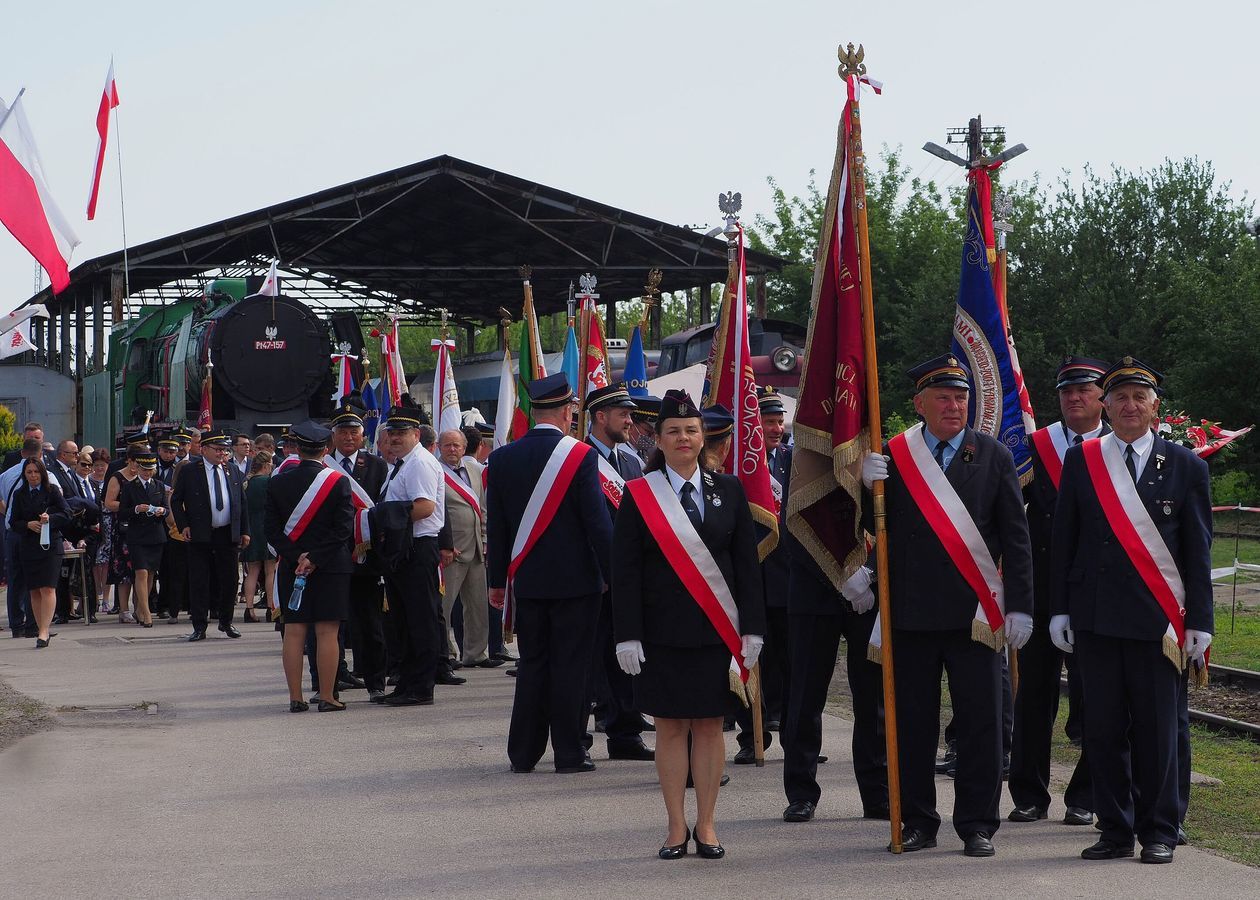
<point x="63" y="468"/>
<point x="1131" y="594"/>
<point x="554" y="616"/>
<point x="367" y="635"/>
<point x="609" y="409"/>
<point x="1040" y="662"/>
<point x="209" y="509"/>
<point x="941" y="619"/>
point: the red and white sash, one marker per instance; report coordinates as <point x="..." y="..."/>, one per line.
<point x="311" y="502"/>
<point x="953" y="526"/>
<point x="1051" y="444"/>
<point x="457" y="485"/>
<point x="545" y="499"/>
<point x="610" y="482"/>
<point x="689" y="557"/>
<point x="362" y="503"/>
<point x="1135" y="530"/>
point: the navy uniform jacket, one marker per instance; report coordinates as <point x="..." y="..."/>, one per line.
<point x="650" y="602"/>
<point x="191" y="499"/>
<point x="141" y="527"/>
<point x="1041" y="496"/>
<point x="927" y="591"/>
<point x="631" y="468"/>
<point x="326" y="540"/>
<point x="1093" y="580"/>
<point x="571" y="558"/>
<point x="776" y="568"/>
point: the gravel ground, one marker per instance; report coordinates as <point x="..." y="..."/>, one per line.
<point x="20" y="715"/>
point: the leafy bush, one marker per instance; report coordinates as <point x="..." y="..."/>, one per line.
<point x="10" y="439"/>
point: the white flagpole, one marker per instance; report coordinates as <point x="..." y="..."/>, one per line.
<point x="122" y="205"/>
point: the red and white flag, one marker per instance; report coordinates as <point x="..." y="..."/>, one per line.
<point x="507" y="402"/>
<point x="391" y="363"/>
<point x="271" y="284"/>
<point x="595" y="350"/>
<point x="15" y="330"/>
<point x="445" y="397"/>
<point x="345" y="377"/>
<point x="26" y="205"/>
<point x="109" y="99"/>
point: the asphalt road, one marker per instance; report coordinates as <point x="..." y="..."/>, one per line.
<point x="223" y="793"/>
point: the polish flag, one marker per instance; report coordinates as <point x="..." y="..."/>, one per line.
<point x="109" y="99"/>
<point x="446" y="415"/>
<point x="26" y="205"/>
<point x="271" y="284"/>
<point x="15" y="330"/>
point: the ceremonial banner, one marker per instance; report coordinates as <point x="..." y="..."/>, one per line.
<point x="15" y="330"/>
<point x="26" y="205"/>
<point x="998" y="405"/>
<point x="393" y="381"/>
<point x="371" y="413"/>
<point x="635" y="373"/>
<point x="529" y="365"/>
<point x="445" y="397"/>
<point x="345" y="377"/>
<point x="569" y="361"/>
<point x="109" y="100"/>
<point x="824" y="503"/>
<point x="506" y="415"/>
<point x="205" y="415"/>
<point x="730" y="382"/>
<point x="594" y="350"/>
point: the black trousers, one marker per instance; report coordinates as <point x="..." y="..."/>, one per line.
<point x="975" y="687"/>
<point x="554" y="636"/>
<point x="1131" y="725"/>
<point x="611" y="688"/>
<point x="175" y="576"/>
<point x="1036" y="708"/>
<point x="813" y="641"/>
<point x="212" y="576"/>
<point x="775" y="677"/>
<point x="367" y="632"/>
<point x="413" y="597"/>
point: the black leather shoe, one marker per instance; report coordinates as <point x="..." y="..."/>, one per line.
<point x="639" y="751"/>
<point x="397" y="699"/>
<point x="677" y="851"/>
<point x="799" y="811"/>
<point x="978" y="844"/>
<point x="511" y="671"/>
<point x="376" y="696"/>
<point x="1157" y="853"/>
<point x="1075" y="815"/>
<point x="745" y="757"/>
<point x="1182" y="840"/>
<point x="1027" y="813"/>
<point x="350" y="683"/>
<point x="913" y="839"/>
<point x="946" y="762"/>
<point x="1105" y="849"/>
<point x="58" y="620"/>
<point x="230" y="631"/>
<point x="489" y="662"/>
<point x="91" y="620"/>
<point x="876" y="812"/>
<point x="504" y="657"/>
<point x="447" y="678"/>
<point x="453" y="664"/>
<point x="298" y="706"/>
<point x="522" y="770"/>
<point x="333" y="706"/>
<point x="198" y="635"/>
<point x="708" y="851"/>
<point x="584" y="766"/>
<point x="40" y="643"/>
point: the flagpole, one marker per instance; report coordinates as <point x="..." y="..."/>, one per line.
<point x="1000" y="229"/>
<point x="122" y="206"/>
<point x="8" y="112"/>
<point x="851" y="69"/>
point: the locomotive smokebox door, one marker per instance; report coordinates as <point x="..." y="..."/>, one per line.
<point x="270" y="353"/>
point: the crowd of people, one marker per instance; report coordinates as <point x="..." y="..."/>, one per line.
<point x="624" y="561"/>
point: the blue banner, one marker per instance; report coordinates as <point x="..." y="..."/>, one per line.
<point x="569" y="362"/>
<point x="371" y="412"/>
<point x="635" y="374"/>
<point x="981" y="339"/>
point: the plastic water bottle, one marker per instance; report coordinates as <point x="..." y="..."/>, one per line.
<point x="295" y="598"/>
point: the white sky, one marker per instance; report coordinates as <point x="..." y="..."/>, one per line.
<point x="651" y="106"/>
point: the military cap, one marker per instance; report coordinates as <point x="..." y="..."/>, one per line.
<point x="1131" y="371"/>
<point x="1079" y="370"/>
<point x="677" y="405"/>
<point x="943" y="371"/>
<point x="613" y="396"/>
<point x="646" y="408"/>
<point x="400" y="418"/>
<point x="485" y="429"/>
<point x="347" y="416"/>
<point x="182" y="436"/>
<point x="768" y="399"/>
<point x="309" y="435"/>
<point x="550" y="392"/>
<point x="136" y="438"/>
<point x="718" y="421"/>
<point x="143" y="458"/>
<point x="216" y="437"/>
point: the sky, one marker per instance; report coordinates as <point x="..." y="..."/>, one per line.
<point x="652" y="106"/>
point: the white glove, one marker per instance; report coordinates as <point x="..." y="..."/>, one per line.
<point x="857" y="590"/>
<point x="752" y="644"/>
<point x="874" y="468"/>
<point x="1019" y="628"/>
<point x="629" y="655"/>
<point x="1197" y="643"/>
<point x="1061" y="633"/>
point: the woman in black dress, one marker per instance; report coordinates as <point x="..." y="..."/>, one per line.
<point x="142" y="512"/>
<point x="680" y="660"/>
<point x="38" y="502"/>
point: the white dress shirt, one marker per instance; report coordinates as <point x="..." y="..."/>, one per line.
<point x="218" y="517"/>
<point x="1141" y="451"/>
<point x="420" y="478"/>
<point x="676" y="482"/>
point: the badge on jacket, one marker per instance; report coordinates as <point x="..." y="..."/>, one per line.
<point x="1167" y="504"/>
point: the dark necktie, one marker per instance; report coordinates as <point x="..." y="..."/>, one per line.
<point x="612" y="461"/>
<point x="1078" y="440"/>
<point x="463" y="475"/>
<point x="218" y="490"/>
<point x="1130" y="463"/>
<point x="74" y="481"/>
<point x="940" y="454"/>
<point x="347" y="465"/>
<point x="689" y="505"/>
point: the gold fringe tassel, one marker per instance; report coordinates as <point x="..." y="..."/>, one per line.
<point x="737" y="686"/>
<point x="874" y="654"/>
<point x="1175" y="654"/>
<point x="982" y="633"/>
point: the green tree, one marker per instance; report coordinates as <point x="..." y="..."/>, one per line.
<point x="10" y="439"/>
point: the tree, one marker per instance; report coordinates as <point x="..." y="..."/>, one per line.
<point x="10" y="438"/>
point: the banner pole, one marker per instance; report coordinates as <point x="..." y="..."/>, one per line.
<point x="851" y="69"/>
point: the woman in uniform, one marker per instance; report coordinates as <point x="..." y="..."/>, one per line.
<point x="684" y="537"/>
<point x="142" y="512"/>
<point x="37" y="502"/>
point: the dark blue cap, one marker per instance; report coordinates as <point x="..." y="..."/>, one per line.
<point x="943" y="371"/>
<point x="1131" y="371"/>
<point x="718" y="421"/>
<point x="550" y="392"/>
<point x="1080" y="370"/>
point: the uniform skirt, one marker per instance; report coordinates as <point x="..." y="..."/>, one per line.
<point x="684" y="682"/>
<point x="146" y="556"/>
<point x="325" y="599"/>
<point x="43" y="570"/>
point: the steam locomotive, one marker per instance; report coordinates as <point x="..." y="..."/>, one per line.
<point x="268" y="359"/>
